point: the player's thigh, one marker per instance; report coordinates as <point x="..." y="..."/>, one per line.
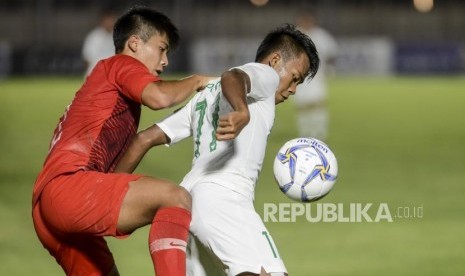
<point x="76" y="254"/>
<point x="144" y="197"/>
<point x="86" y="203"/>
<point x="226" y="222"/>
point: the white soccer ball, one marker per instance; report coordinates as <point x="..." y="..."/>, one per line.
<point x="305" y="169"/>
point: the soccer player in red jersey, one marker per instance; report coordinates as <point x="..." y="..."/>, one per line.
<point x="77" y="200"/>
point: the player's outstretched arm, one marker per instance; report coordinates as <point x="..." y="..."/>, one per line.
<point x="235" y="85"/>
<point x="140" y="145"/>
<point x="163" y="94"/>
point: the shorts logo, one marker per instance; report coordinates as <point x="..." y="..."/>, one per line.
<point x="167" y="244"/>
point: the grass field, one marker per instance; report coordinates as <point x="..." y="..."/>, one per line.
<point x="399" y="141"/>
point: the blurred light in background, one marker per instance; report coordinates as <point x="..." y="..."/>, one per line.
<point x="423" y="5"/>
<point x="259" y="3"/>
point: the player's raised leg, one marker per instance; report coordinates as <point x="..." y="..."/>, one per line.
<point x="166" y="207"/>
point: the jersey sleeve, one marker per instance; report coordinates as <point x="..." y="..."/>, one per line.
<point x="132" y="77"/>
<point x="264" y="80"/>
<point x="177" y="126"/>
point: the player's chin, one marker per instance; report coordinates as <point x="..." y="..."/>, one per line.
<point x="281" y="100"/>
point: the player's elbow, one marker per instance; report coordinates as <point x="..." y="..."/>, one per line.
<point x="151" y="137"/>
<point x="156" y="98"/>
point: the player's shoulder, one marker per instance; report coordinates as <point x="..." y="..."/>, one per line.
<point x="264" y="80"/>
<point x="256" y="67"/>
<point x="260" y="71"/>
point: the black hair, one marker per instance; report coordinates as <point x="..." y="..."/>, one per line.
<point x="290" y="42"/>
<point x="143" y="22"/>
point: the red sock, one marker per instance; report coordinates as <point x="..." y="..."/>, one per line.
<point x="168" y="241"/>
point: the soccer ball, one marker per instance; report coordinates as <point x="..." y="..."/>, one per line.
<point x="305" y="169"/>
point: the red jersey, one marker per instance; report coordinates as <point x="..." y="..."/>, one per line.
<point x="98" y="126"/>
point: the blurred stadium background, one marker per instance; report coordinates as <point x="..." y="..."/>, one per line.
<point x="376" y="37"/>
<point x="396" y="106"/>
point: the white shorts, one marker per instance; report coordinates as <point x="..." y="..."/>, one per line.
<point x="227" y="226"/>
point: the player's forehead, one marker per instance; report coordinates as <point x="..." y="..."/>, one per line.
<point x="160" y="38"/>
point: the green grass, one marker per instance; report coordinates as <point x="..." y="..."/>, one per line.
<point x="398" y="141"/>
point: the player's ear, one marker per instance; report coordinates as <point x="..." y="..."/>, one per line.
<point x="275" y="59"/>
<point x="133" y="43"/>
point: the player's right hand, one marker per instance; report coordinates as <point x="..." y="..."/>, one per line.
<point x="230" y="125"/>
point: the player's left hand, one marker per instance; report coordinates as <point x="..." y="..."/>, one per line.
<point x="231" y="124"/>
<point x="204" y="81"/>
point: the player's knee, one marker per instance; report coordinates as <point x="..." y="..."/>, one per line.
<point x="180" y="197"/>
<point x="185" y="199"/>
